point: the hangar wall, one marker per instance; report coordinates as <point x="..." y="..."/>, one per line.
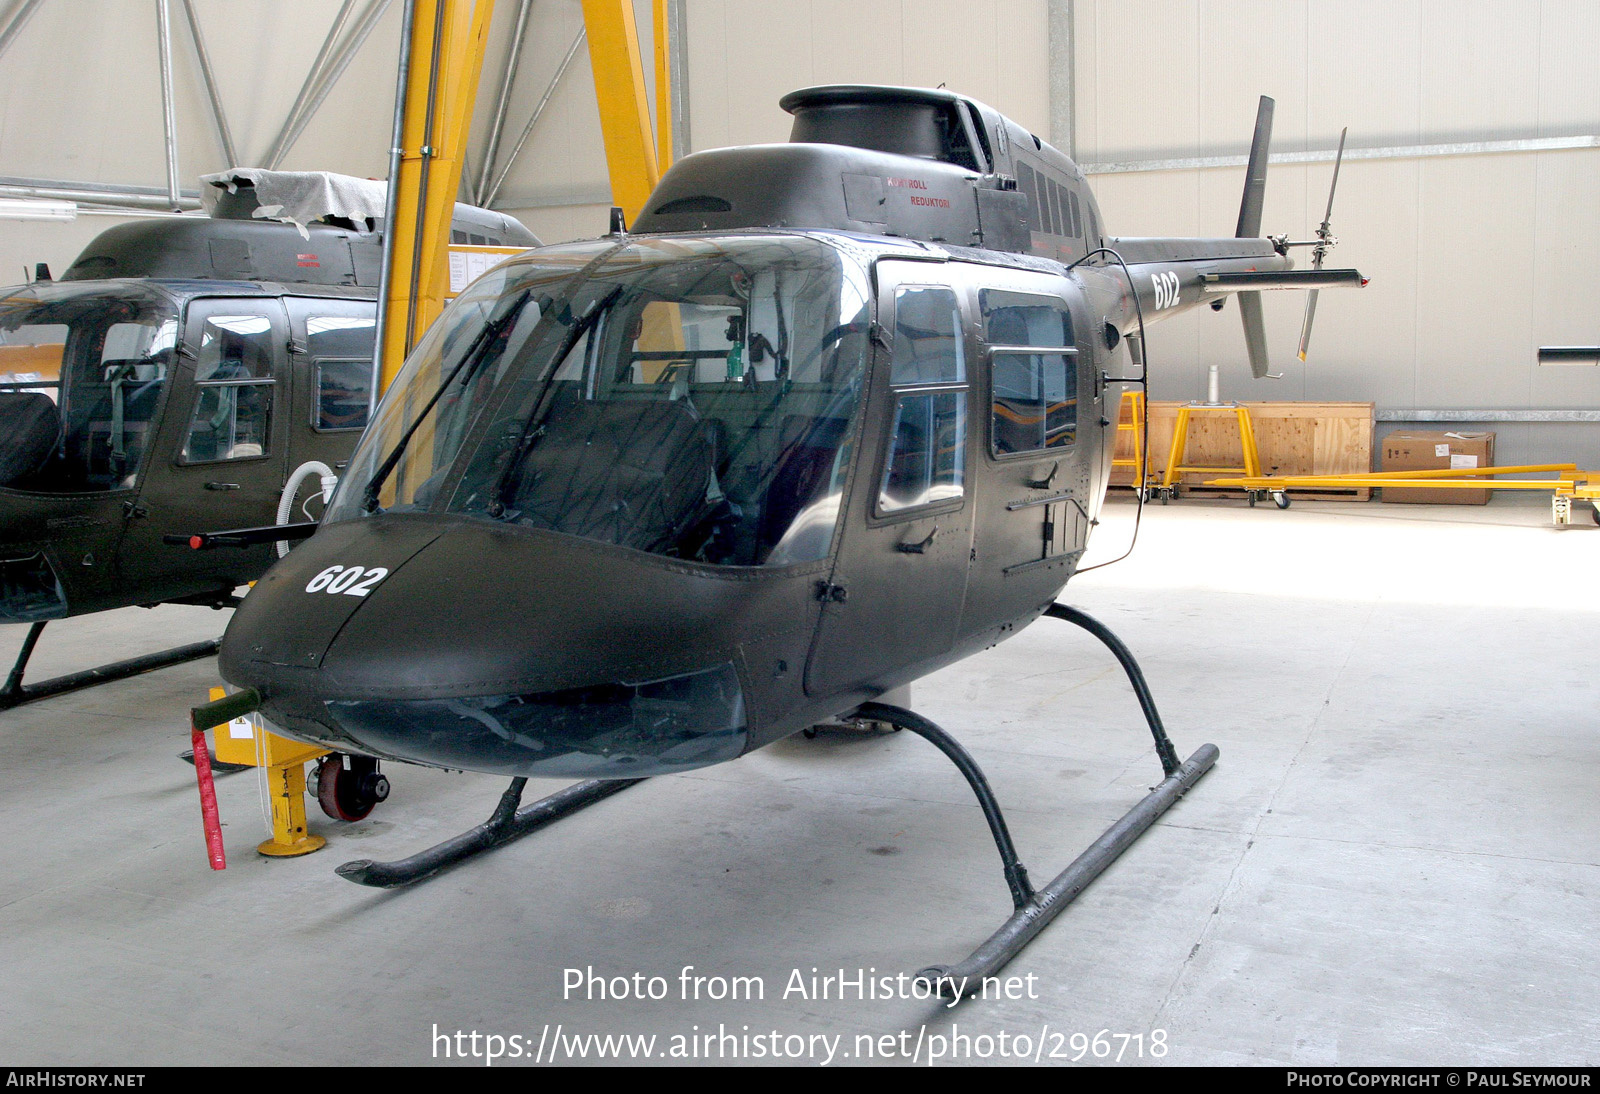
<point x="1476" y="260"/>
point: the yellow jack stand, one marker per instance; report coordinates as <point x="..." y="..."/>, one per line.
<point x="244" y="741"/>
<point x="1132" y="408"/>
<point x="1180" y="441"/>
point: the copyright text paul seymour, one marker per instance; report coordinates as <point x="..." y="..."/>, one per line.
<point x="1460" y="1078"/>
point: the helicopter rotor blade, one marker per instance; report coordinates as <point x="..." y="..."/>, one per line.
<point x="1338" y="158"/>
<point x="1324" y="235"/>
<point x="1305" y="325"/>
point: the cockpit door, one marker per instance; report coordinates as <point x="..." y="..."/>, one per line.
<point x="220" y="461"/>
<point x="894" y="597"/>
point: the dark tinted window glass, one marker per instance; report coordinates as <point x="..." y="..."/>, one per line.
<point x="341" y="351"/>
<point x="1034" y="400"/>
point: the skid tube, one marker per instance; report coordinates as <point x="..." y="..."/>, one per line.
<point x="1034" y="909"/>
<point x="507" y="823"/>
<point x="15" y="693"/>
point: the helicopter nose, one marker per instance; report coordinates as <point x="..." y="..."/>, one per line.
<point x="292" y="615"/>
<point x="510" y="651"/>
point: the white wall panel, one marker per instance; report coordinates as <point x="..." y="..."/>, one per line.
<point x="1475" y="260"/>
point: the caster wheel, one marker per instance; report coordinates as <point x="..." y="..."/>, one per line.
<point x="1280" y="499"/>
<point x="1594" y="512"/>
<point x="1251" y="496"/>
<point x="350" y="794"/>
<point x="1164" y="495"/>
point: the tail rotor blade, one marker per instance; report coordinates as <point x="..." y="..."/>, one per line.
<point x="1255" y="180"/>
<point x="1338" y="158"/>
<point x="1305" y="327"/>
<point x="1325" y="241"/>
<point x="1255" y="334"/>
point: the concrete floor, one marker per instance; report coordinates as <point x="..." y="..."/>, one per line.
<point x="1394" y="862"/>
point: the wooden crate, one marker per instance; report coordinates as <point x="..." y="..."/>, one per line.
<point x="1291" y="439"/>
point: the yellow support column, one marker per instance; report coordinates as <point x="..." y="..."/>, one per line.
<point x="447" y="45"/>
<point x="624" y="107"/>
<point x="658" y="28"/>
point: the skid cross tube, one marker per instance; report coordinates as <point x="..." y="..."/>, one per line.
<point x="1034" y="909"/>
<point x="507" y="823"/>
<point x="1164" y="749"/>
<point x="966" y="977"/>
<point x="15" y="692"/>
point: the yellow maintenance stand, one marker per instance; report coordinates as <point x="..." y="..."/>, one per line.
<point x="1131" y="419"/>
<point x="246" y="742"/>
<point x="1568" y="485"/>
<point x="1180" y="441"/>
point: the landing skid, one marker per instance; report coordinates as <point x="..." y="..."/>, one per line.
<point x="506" y="824"/>
<point x="1034" y="908"/>
<point x="15" y="693"/>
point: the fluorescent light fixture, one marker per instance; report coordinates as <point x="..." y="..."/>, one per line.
<point x="1569" y="355"/>
<point x="36" y="209"/>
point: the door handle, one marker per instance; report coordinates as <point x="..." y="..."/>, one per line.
<point x="920" y="547"/>
<point x="222" y="486"/>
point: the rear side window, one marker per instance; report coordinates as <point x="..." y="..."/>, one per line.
<point x="340" y="347"/>
<point x="1034" y="398"/>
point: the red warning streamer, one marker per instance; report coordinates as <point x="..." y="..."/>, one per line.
<point x="208" y="798"/>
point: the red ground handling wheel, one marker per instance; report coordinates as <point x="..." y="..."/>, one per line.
<point x="349" y="793"/>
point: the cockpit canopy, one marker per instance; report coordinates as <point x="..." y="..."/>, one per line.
<point x="83" y="369"/>
<point x="694" y="398"/>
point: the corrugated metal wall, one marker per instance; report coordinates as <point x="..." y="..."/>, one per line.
<point x="1475" y="260"/>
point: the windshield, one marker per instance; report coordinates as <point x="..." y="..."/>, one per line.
<point x="83" y="369"/>
<point x="687" y="397"/>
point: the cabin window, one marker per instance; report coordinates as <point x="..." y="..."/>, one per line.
<point x="1077" y="219"/>
<point x="340" y="347"/>
<point x="1034" y="399"/>
<point x="928" y="371"/>
<point x="233" y="403"/>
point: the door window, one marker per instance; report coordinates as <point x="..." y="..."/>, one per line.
<point x="927" y="449"/>
<point x="233" y="401"/>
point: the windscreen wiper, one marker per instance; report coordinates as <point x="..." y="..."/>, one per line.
<point x="531" y="434"/>
<point x="474" y="354"/>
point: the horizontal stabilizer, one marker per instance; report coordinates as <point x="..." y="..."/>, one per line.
<point x="1283" y="279"/>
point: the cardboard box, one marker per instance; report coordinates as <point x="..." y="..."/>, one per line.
<point x="1417" y="451"/>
